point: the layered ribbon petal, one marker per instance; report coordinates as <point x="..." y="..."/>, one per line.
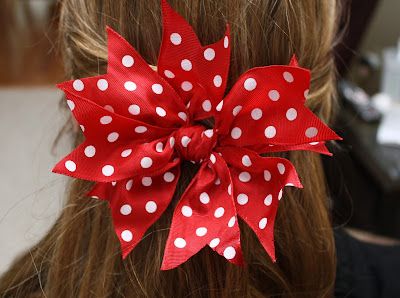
<point x="198" y="73"/>
<point x="140" y="124"/>
<point x="273" y="112"/>
<point x="136" y="203"/>
<point x="205" y="215"/>
<point x="258" y="184"/>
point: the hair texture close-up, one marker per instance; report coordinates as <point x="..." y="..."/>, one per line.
<point x="80" y="256"/>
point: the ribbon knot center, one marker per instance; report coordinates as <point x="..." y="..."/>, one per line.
<point x="195" y="143"/>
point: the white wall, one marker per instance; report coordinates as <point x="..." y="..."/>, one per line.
<point x="30" y="195"/>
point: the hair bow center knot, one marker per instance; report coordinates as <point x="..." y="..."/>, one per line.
<point x="195" y="143"/>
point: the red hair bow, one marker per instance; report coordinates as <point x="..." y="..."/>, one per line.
<point x="139" y="125"/>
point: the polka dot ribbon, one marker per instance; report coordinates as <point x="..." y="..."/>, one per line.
<point x="140" y="124"/>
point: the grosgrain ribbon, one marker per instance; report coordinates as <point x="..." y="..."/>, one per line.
<point x="139" y="125"/>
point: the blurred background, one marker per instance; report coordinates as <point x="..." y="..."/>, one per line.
<point x="363" y="175"/>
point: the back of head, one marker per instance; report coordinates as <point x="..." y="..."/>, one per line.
<point x="80" y="256"/>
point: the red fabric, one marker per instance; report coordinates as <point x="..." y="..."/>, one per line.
<point x="140" y="124"/>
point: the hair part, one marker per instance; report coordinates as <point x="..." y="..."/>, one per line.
<point x="80" y="255"/>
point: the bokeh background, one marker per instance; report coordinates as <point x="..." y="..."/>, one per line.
<point x="364" y="173"/>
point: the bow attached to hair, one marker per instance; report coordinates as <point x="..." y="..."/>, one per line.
<point x="139" y="125"/>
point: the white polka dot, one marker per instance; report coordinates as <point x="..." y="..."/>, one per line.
<point x="140" y="129"/>
<point x="159" y="147"/>
<point x="90" y="151"/>
<point x="273" y="95"/>
<point x="306" y="92"/>
<point x="105" y="120"/>
<point x="202" y="231"/>
<point x="130" y="86"/>
<point x="291" y="114"/>
<point x="126" y="152"/>
<point x="214" y="242"/>
<point x="161" y="112"/>
<point x="229" y="253"/>
<point x="187" y="211"/>
<point x="185" y="141"/>
<point x="204" y="198"/>
<point x="151" y="207"/>
<point x="242" y="199"/>
<point x="236" y="110"/>
<point x="169" y="177"/>
<point x="280" y="194"/>
<point x="268" y="200"/>
<point x="146" y="162"/>
<point x="231" y="221"/>
<point x="244" y="176"/>
<point x="172" y="142"/>
<point x="226" y="42"/>
<point x="236" y="133"/>
<point x="209" y="133"/>
<point x="186" y="65"/>
<point x="230" y="189"/>
<point x="186" y="86"/>
<point x="102" y="84"/>
<point x="82" y="128"/>
<point x="206" y="105"/>
<point x="113" y="183"/>
<point x="157" y="88"/>
<point x="134" y="109"/>
<point x="267" y="175"/>
<point x="78" y="85"/>
<point x="250" y="84"/>
<point x="311" y="132"/>
<point x="213" y="158"/>
<point x="288" y="77"/>
<point x="180" y="242"/>
<point x="262" y="223"/>
<point x="209" y="54"/>
<point x="70" y="165"/>
<point x="147" y="181"/>
<point x="217" y="181"/>
<point x="314" y="143"/>
<point x="219" y="212"/>
<point x="182" y="115"/>
<point x="107" y="170"/>
<point x="256" y="114"/>
<point x="128" y="61"/>
<point x="126" y="235"/>
<point x="246" y="161"/>
<point x="270" y="132"/>
<point x="71" y="104"/>
<point x="169" y="74"/>
<point x="175" y="38"/>
<point x="129" y="184"/>
<point x="281" y="168"/>
<point x="217" y="81"/>
<point x="112" y="137"/>
<point x="125" y="209"/>
<point x="109" y="108"/>
<point x="219" y="106"/>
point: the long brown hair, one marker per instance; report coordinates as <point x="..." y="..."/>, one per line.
<point x="80" y="256"/>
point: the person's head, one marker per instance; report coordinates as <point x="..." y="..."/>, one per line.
<point x="80" y="256"/>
